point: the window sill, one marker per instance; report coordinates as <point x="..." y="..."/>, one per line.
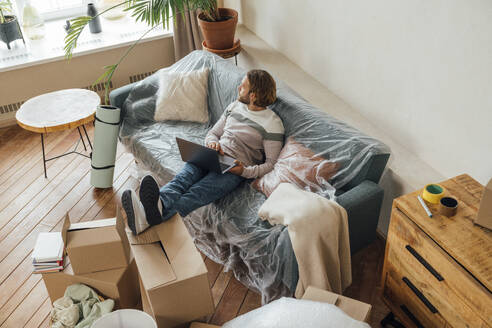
<point x="115" y="34"/>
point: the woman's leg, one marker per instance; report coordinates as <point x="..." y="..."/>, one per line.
<point x="211" y="187"/>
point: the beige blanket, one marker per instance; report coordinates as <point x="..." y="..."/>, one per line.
<point x="318" y="230"/>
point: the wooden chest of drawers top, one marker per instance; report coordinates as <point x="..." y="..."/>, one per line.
<point x="470" y="245"/>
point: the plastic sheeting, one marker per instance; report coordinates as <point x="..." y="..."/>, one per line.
<point x="292" y="313"/>
<point x="229" y="231"/>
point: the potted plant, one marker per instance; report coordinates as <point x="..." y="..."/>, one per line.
<point x="9" y="25"/>
<point x="212" y="20"/>
<point x="218" y="27"/>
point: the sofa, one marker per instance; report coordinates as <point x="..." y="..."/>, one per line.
<point x="229" y="231"/>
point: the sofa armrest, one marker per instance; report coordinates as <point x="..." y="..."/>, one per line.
<point x="362" y="203"/>
<point x="118" y="96"/>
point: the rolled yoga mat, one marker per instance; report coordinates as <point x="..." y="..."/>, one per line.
<point x="105" y="142"/>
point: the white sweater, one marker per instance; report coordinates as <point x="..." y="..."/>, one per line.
<point x="255" y="138"/>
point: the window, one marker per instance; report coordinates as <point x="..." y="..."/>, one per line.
<point x="55" y="9"/>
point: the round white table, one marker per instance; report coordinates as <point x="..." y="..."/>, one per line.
<point x="59" y="111"/>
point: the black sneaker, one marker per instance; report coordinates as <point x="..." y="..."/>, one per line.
<point x="149" y="196"/>
<point x="134" y="212"/>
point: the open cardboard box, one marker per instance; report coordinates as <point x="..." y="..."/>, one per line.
<point x="355" y="309"/>
<point x="96" y="245"/>
<point x="121" y="285"/>
<point x="174" y="280"/>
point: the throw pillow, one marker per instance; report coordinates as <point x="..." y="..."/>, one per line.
<point x="182" y="96"/>
<point x="297" y="164"/>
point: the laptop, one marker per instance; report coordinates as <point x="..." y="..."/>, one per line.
<point x="204" y="157"/>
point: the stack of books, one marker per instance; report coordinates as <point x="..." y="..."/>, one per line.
<point x="47" y="255"/>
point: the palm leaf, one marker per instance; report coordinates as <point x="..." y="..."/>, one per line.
<point x="77" y="26"/>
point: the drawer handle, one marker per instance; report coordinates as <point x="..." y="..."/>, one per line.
<point x="419" y="294"/>
<point x="424" y="263"/>
<point x="411" y="316"/>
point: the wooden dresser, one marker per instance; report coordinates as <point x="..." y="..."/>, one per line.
<point x="438" y="271"/>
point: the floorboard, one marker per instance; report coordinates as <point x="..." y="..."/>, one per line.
<point x="45" y="323"/>
<point x="29" y="191"/>
<point x="251" y="301"/>
<point x="213" y="269"/>
<point x="32" y="159"/>
<point x="30" y="203"/>
<point x="8" y="133"/>
<point x="41" y="314"/>
<point x="230" y="302"/>
<point x="20" y="146"/>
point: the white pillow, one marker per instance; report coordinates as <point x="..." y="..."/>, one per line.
<point x="182" y="96"/>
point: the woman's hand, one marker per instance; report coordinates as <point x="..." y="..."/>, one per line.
<point x="215" y="146"/>
<point x="238" y="169"/>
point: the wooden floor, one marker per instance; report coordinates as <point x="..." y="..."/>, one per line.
<point x="30" y="204"/>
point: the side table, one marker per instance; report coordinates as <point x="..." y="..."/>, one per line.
<point x="59" y="111"/>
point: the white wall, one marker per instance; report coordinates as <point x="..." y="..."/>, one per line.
<point x="420" y="70"/>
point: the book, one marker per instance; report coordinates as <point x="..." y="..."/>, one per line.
<point x="46" y="267"/>
<point x="47" y="270"/>
<point x="44" y="264"/>
<point x="48" y="248"/>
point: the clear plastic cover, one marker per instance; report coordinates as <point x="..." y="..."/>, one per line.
<point x="229" y="231"/>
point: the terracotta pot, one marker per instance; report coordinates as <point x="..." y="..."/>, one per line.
<point x="219" y="35"/>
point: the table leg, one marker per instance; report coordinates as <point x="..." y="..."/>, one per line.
<point x="80" y="134"/>
<point x="87" y="136"/>
<point x="44" y="157"/>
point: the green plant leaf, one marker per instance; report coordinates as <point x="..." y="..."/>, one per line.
<point x="77" y="26"/>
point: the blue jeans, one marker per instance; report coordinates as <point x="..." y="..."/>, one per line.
<point x="194" y="187"/>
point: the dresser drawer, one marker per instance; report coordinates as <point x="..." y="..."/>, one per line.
<point x="436" y="297"/>
<point x="406" y="304"/>
<point x="464" y="302"/>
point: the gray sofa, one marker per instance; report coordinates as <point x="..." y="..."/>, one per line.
<point x="229" y="230"/>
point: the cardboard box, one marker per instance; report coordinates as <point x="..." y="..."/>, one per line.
<point x="119" y="284"/>
<point x="96" y="245"/>
<point x="145" y="300"/>
<point x="174" y="277"/>
<point x="202" y="325"/>
<point x="355" y="309"/>
<point x="484" y="216"/>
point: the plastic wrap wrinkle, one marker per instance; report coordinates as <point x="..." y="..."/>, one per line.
<point x="229" y="231"/>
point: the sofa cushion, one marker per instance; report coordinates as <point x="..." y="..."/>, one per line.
<point x="182" y="96"/>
